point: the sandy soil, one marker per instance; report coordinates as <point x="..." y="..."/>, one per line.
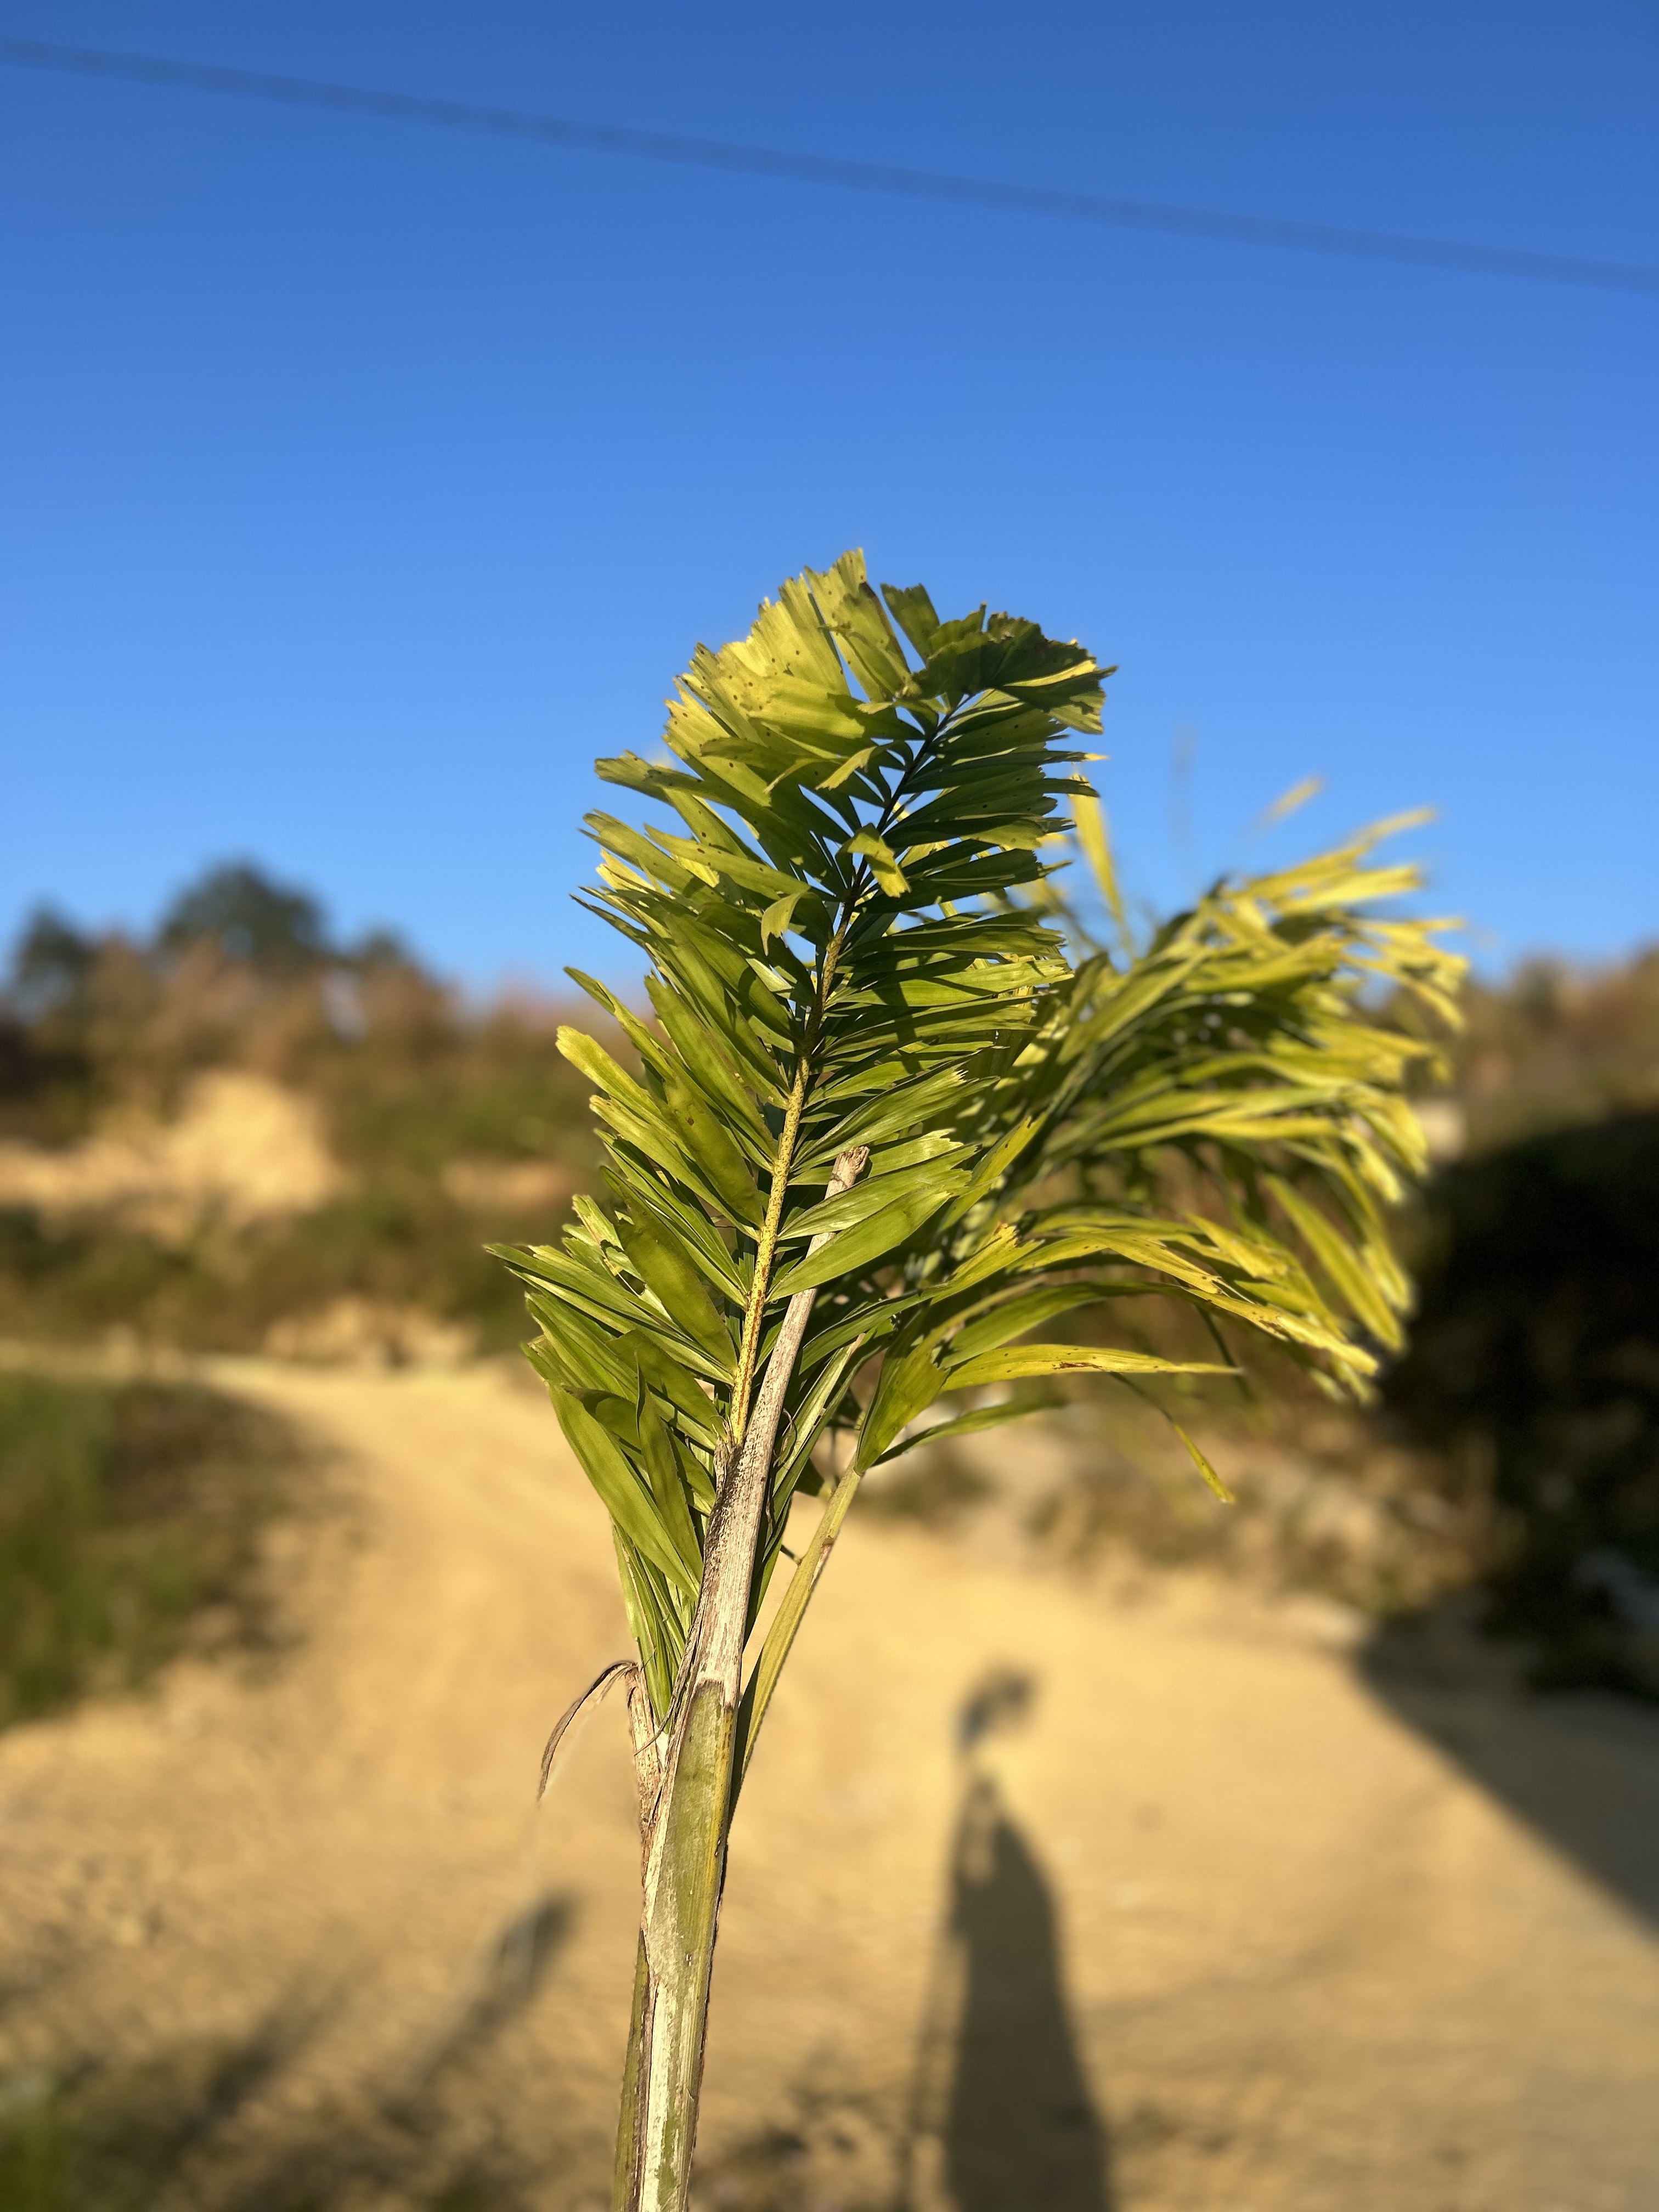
<point x="241" y="1150"/>
<point x="1045" y="1893"/>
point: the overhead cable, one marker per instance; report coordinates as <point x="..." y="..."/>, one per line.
<point x="1042" y="200"/>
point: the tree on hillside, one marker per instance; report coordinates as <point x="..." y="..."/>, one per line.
<point x="247" y="917"/>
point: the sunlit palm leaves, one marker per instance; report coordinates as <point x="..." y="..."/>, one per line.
<point x="850" y="943"/>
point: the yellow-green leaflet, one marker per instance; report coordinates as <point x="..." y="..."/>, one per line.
<point x="1016" y="1361"/>
<point x="699" y="1129"/>
<point x="1204" y="1467"/>
<point x="970" y="1425"/>
<point x="855" y="1248"/>
<point x="677" y="1284"/>
<point x="909" y="1383"/>
<point x="634" y="1513"/>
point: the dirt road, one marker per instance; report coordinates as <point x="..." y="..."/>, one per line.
<point x="1041" y="1897"/>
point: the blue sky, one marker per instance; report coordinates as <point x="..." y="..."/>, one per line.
<point x="360" y="482"/>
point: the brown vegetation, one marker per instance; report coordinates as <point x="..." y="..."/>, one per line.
<point x="236" y="1133"/>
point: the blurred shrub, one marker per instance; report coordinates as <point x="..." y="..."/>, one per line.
<point x="1556" y="1047"/>
<point x="1536" y="1350"/>
<point x="248" y="919"/>
<point x="1327" y="1502"/>
<point x="130" y="1519"/>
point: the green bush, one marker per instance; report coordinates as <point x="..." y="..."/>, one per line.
<point x="126" y="1512"/>
<point x="1536" y="1355"/>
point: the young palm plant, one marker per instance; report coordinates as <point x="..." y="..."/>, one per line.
<point x="885" y="1126"/>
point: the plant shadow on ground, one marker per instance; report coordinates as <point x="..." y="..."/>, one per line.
<point x="183" y="2130"/>
<point x="504" y="1983"/>
<point x="95" y="2139"/>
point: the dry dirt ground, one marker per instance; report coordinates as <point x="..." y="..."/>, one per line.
<point x="1046" y="1895"/>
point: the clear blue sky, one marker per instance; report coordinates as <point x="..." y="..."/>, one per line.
<point x="361" y="481"/>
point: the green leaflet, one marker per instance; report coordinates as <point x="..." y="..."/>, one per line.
<point x="668" y="1485"/>
<point x="578" y="1299"/>
<point x="559" y="1275"/>
<point x="593" y="1218"/>
<point x="619" y="1415"/>
<point x="997" y="1252"/>
<point x="857" y="620"/>
<point x="628" y="1505"/>
<point x="588" y="1054"/>
<point x="883" y="862"/>
<point x="707" y="1060"/>
<point x="909" y="1383"/>
<point x="667" y="1270"/>
<point x="807" y="1424"/>
<point x="1014" y="1361"/>
<point x="1016" y="1315"/>
<point x="936" y="1146"/>
<point x="762" y="1006"/>
<point x="870" y="1196"/>
<point x="659" y="1645"/>
<point x="779" y="916"/>
<point x="855" y="1249"/>
<point x="557" y="1373"/>
<point x="863" y="1324"/>
<point x="970" y="1425"/>
<point x="637" y="852"/>
<point x="648" y="1047"/>
<point x="908" y="1107"/>
<point x="912" y="610"/>
<point x="572" y="1352"/>
<point x="700" y="1130"/>
<point x="676" y="1384"/>
<point x="650" y="1199"/>
<point x="654" y="1139"/>
<point x="997" y="1163"/>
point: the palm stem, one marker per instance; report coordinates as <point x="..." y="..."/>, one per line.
<point x="686" y="1807"/>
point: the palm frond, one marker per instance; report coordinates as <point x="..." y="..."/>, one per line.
<point x="854" y="942"/>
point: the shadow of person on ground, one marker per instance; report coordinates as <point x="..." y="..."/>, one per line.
<point x="1002" y="2114"/>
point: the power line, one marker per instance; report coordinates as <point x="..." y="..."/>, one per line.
<point x="820" y="169"/>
